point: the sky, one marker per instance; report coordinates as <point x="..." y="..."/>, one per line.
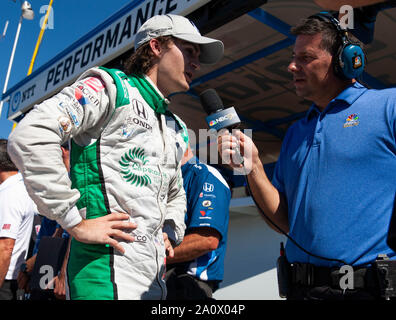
<point x="71" y="20"/>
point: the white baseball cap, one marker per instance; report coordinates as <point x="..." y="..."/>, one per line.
<point x="180" y="27"/>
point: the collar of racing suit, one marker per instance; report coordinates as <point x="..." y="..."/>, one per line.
<point x="150" y="93"/>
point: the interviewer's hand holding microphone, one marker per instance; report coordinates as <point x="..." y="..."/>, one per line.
<point x="240" y="153"/>
<point x="229" y="145"/>
<point x="237" y="149"/>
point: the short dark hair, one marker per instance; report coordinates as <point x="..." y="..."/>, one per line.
<point x="141" y="61"/>
<point x="5" y="162"/>
<point x="331" y="38"/>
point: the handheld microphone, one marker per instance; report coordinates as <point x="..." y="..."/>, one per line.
<point x="220" y="117"/>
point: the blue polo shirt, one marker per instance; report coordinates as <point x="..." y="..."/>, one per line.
<point x="337" y="169"/>
<point x="208" y="200"/>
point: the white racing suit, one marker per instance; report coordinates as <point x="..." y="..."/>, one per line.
<point x="125" y="157"/>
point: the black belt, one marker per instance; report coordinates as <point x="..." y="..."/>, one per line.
<point x="305" y="274"/>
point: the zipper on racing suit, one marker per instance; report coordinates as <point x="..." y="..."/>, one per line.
<point x="160" y="200"/>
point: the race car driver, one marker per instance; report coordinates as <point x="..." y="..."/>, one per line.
<point x="126" y="149"/>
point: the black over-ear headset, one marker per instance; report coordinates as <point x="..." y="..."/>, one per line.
<point x="350" y="59"/>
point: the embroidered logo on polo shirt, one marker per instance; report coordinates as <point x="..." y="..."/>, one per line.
<point x="351" y="121"/>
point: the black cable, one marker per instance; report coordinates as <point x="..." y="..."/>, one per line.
<point x="284" y="232"/>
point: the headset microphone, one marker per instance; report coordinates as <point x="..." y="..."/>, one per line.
<point x="220" y="117"/>
<point x="350" y="60"/>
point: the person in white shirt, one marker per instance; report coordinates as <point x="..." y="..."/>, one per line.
<point x="17" y="211"/>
